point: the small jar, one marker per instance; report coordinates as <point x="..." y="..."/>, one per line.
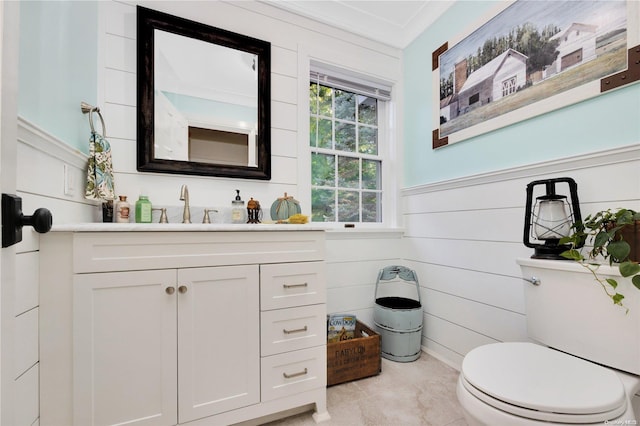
<point x="122" y="210"/>
<point x="107" y="211"/>
<point x="143" y="210"/>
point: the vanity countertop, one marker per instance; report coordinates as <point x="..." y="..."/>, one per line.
<point x="181" y="227"/>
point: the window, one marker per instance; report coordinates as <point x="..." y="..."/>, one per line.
<point x="346" y="159"/>
<point x="509" y="86"/>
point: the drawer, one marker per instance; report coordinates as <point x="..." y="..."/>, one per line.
<point x="288" y="285"/>
<point x="293" y="372"/>
<point x="122" y="251"/>
<point x="284" y="330"/>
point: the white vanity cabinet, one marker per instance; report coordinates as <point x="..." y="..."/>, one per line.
<point x="164" y="328"/>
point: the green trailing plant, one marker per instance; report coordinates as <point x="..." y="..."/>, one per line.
<point x="603" y="231"/>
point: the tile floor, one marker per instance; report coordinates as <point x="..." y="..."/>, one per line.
<point x="419" y="393"/>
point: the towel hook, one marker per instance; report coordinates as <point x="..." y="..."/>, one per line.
<point x="90" y="109"/>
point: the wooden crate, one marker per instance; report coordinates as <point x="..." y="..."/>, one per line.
<point x="355" y="358"/>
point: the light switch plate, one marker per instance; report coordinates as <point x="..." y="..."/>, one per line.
<point x="69" y="182"/>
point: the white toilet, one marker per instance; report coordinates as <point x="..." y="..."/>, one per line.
<point x="582" y="365"/>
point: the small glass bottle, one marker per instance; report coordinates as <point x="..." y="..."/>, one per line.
<point x="122" y="210"/>
<point x="238" y="213"/>
<point x="143" y="209"/>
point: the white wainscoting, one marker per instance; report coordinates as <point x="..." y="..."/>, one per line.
<point x="40" y="183"/>
<point x="353" y="262"/>
<point x="463" y="237"/>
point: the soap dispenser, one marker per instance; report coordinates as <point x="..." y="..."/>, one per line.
<point x="238" y="214"/>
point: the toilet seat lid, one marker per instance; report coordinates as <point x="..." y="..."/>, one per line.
<point x="537" y="378"/>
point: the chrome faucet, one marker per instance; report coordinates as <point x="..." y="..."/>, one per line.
<point x="184" y="196"/>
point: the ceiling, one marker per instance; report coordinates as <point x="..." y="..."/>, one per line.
<point x="394" y="22"/>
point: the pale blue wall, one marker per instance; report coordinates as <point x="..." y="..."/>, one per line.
<point x="58" y="67"/>
<point x="609" y="120"/>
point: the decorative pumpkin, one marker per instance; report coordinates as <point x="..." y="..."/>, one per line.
<point x="285" y="207"/>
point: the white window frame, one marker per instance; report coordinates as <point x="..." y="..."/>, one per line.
<point x="387" y="128"/>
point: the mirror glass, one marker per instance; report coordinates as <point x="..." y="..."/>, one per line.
<point x="203" y="98"/>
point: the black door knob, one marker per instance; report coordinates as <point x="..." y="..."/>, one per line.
<point x="41" y="220"/>
<point x="13" y="220"/>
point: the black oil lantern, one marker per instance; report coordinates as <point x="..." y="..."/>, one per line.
<point x="550" y="218"/>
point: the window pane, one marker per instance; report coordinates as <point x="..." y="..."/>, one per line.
<point x="371" y="207"/>
<point x="348" y="172"/>
<point x="346" y="137"/>
<point x="371" y="174"/>
<point x="322" y="202"/>
<point x="324" y="101"/>
<point x="322" y="170"/>
<point x="313" y="98"/>
<point x="348" y="206"/>
<point x="345" y="105"/>
<point x="343" y="129"/>
<point x="324" y="133"/>
<point x="367" y="110"/>
<point x="368" y="140"/>
<point x="313" y="131"/>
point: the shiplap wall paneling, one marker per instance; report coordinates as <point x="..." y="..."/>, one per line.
<point x="40" y="154"/>
<point x="119" y="109"/>
<point x="26" y="337"/>
<point x="464" y="236"/>
<point x="118" y="68"/>
<point x="353" y="262"/>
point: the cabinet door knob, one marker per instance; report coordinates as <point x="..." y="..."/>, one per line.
<point x="170" y="290"/>
<point x="182" y="289"/>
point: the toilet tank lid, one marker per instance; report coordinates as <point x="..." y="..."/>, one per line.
<point x="566" y="265"/>
<point x="539" y="378"/>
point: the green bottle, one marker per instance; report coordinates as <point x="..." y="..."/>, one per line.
<point x="143" y="210"/>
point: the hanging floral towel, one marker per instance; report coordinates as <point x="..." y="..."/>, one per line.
<point x="100" y="169"/>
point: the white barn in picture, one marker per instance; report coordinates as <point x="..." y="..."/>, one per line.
<point x="577" y="46"/>
<point x="500" y="77"/>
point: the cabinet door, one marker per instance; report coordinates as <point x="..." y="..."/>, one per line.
<point x="125" y="348"/>
<point x="219" y="340"/>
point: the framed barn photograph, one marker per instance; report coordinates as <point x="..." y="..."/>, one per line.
<point x="529" y="58"/>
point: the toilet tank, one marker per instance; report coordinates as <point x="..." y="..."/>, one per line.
<point x="568" y="310"/>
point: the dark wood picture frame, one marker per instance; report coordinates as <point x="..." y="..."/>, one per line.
<point x="551" y="100"/>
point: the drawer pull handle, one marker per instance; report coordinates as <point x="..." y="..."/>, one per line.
<point x="294" y="285"/>
<point x="297" y="330"/>
<point x="170" y="290"/>
<point x="289" y="376"/>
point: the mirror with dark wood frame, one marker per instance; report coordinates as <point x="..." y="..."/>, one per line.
<point x="203" y="99"/>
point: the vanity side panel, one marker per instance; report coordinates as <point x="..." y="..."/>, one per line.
<point x="56" y="330"/>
